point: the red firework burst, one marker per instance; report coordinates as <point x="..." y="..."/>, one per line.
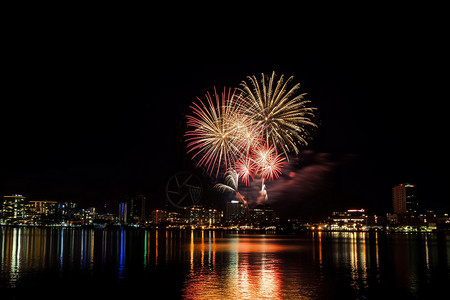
<point x="269" y="162"/>
<point x="245" y="168"/>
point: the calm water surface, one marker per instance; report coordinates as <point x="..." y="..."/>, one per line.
<point x="160" y="264"/>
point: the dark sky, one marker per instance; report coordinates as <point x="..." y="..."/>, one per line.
<point x="92" y="117"/>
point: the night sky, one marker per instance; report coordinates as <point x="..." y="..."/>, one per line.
<point x="95" y="118"/>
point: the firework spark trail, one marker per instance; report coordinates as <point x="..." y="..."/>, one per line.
<point x="245" y="129"/>
<point x="278" y="110"/>
<point x="211" y="137"/>
<point x="231" y="185"/>
<point x="246" y="167"/>
<point x="246" y="133"/>
<point x="269" y="162"/>
<point x="272" y="169"/>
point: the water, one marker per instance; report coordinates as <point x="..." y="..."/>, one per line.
<point x="88" y="263"/>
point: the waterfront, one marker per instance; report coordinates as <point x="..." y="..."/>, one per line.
<point x="207" y="264"/>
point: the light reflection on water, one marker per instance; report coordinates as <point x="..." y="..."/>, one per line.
<point x="216" y="265"/>
<point x="251" y="270"/>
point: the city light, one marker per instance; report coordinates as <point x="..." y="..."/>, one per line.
<point x="17" y="209"/>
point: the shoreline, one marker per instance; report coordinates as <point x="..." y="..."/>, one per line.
<point x="224" y="229"/>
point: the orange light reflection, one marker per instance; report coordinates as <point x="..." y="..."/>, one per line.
<point x="252" y="269"/>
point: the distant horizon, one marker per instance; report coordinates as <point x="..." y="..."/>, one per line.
<point x="113" y="208"/>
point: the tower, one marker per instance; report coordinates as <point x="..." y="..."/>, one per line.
<point x="404" y="199"/>
<point x="136" y="209"/>
<point x="123" y="213"/>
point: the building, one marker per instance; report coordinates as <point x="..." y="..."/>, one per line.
<point x="198" y="215"/>
<point x="173" y="218"/>
<point x="123" y="213"/>
<point x="262" y="215"/>
<point x="68" y="210"/>
<point x="391" y="219"/>
<point x="213" y="216"/>
<point x="404" y="199"/>
<point x="70" y="213"/>
<point x="13" y="208"/>
<point x="43" y="207"/>
<point x="348" y="220"/>
<point x="194" y="216"/>
<point x="136" y="209"/>
<point x="42" y="212"/>
<point x="159" y="216"/>
<point x="133" y="210"/>
<point x="88" y="215"/>
<point x="235" y="211"/>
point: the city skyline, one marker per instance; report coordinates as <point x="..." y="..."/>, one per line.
<point x="102" y="188"/>
<point x="406" y="211"/>
<point x="90" y="132"/>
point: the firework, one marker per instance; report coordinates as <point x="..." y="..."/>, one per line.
<point x="211" y="137"/>
<point x="269" y="162"/>
<point x="245" y="168"/>
<point x="231" y="182"/>
<point x="272" y="168"/>
<point x="231" y="185"/>
<point x="245" y="131"/>
<point x="279" y="110"/>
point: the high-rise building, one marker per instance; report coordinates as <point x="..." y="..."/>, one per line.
<point x="13" y="207"/>
<point x="133" y="210"/>
<point x="123" y="213"/>
<point x="235" y="211"/>
<point x="404" y="198"/>
<point x="136" y="209"/>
